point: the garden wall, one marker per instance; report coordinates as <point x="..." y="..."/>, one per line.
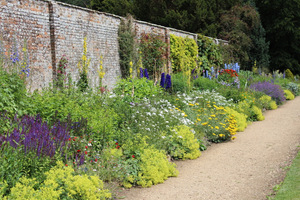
<point x="54" y="29"/>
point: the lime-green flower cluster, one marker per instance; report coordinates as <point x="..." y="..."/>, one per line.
<point x="289" y="95"/>
<point x="267" y="103"/>
<point x="180" y="143"/>
<point x="154" y="168"/>
<point x="60" y="183"/>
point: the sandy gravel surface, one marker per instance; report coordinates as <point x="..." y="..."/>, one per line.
<point x="246" y="168"/>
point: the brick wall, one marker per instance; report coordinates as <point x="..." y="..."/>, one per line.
<point x="54" y="29"/>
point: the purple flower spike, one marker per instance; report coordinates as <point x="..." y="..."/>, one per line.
<point x="141" y="72"/>
<point x="162" y="80"/>
<point x="146" y="74"/>
<point x="168" y="82"/>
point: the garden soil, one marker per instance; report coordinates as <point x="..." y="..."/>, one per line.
<point x="244" y="169"/>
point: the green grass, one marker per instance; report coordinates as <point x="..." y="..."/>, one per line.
<point x="290" y="189"/>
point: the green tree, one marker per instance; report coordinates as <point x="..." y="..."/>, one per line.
<point x="241" y="26"/>
<point x="118" y="7"/>
<point x="281" y="20"/>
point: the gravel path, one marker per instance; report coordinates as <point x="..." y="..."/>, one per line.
<point x="244" y="169"/>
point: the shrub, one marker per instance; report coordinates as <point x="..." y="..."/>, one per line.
<point x="293" y="87"/>
<point x="202" y="83"/>
<point x="289" y="74"/>
<point x="274" y="91"/>
<point x="127" y="46"/>
<point x="136" y="89"/>
<point x="257" y="113"/>
<point x="13" y="94"/>
<point x="183" y="53"/>
<point x="240" y="118"/>
<point x="60" y="183"/>
<point x="267" y="103"/>
<point x="153" y="48"/>
<point x="180" y="143"/>
<point x="288" y="95"/>
<point x="146" y="165"/>
<point x="180" y="83"/>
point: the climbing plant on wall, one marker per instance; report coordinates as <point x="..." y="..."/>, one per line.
<point x="209" y="53"/>
<point x="183" y="55"/>
<point x="153" y="51"/>
<point x="127" y="45"/>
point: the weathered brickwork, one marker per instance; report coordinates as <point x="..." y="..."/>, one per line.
<point x="54" y="29"/>
<point x="25" y="20"/>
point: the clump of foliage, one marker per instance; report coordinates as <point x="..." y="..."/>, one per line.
<point x="289" y="74"/>
<point x="147" y="165"/>
<point x="183" y="55"/>
<point x="202" y="83"/>
<point x="240" y="118"/>
<point x="274" y="91"/>
<point x="60" y="183"/>
<point x="61" y="72"/>
<point x="288" y="95"/>
<point x="180" y="83"/>
<point x="136" y="89"/>
<point x="13" y="94"/>
<point x="267" y="103"/>
<point x="209" y="53"/>
<point x="127" y="46"/>
<point x="153" y="50"/>
<point x="180" y="143"/>
<point x="293" y="87"/>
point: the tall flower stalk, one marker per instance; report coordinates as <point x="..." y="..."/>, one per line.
<point x="101" y="72"/>
<point x="83" y="66"/>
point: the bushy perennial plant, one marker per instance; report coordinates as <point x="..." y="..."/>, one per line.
<point x="274" y="91"/>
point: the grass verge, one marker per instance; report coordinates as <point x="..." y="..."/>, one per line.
<point x="290" y="188"/>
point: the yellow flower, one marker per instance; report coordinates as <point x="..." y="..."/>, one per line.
<point x="196" y="104"/>
<point x="217" y="127"/>
<point x="130" y="63"/>
<point x="209" y="118"/>
<point x="198" y="119"/>
<point x="214" y="134"/>
<point x="233" y="138"/>
<point x="191" y="104"/>
<point x="213" y="115"/>
<point x="185" y="115"/>
<point x="205" y="123"/>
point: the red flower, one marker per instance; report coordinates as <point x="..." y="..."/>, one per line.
<point x="133" y="156"/>
<point x="78" y="150"/>
<point x="70" y="139"/>
<point x="96" y="160"/>
<point x="90" y="141"/>
<point x="85" y="152"/>
<point x="53" y="138"/>
<point x="66" y="165"/>
<point x="117" y="143"/>
<point x="118" y="147"/>
<point x="86" y="147"/>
